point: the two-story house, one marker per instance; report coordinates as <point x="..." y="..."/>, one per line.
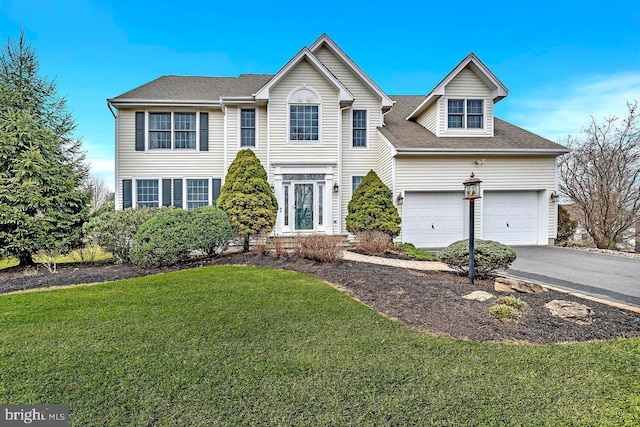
<point x="318" y="126"/>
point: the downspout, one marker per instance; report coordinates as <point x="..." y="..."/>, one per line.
<point x="116" y="177"/>
<point x="340" y="186"/>
<point x="225" y="137"/>
<point x="111" y="109"/>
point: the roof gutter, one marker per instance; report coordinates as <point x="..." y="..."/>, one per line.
<point x="474" y="151"/>
<point x="164" y="102"/>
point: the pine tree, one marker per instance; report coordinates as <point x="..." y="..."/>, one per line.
<point x="247" y="198"/>
<point x="371" y="208"/>
<point x="41" y="164"/>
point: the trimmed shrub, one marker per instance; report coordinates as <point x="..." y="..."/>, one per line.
<point x="165" y="239"/>
<point x="489" y="256"/>
<point x="115" y="231"/>
<point x="373" y="241"/>
<point x="319" y="247"/>
<point x="247" y="198"/>
<point x="371" y="208"/>
<point x="212" y="230"/>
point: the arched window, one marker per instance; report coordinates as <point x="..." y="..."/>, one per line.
<point x="304" y="114"/>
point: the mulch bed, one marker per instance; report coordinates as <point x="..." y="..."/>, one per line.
<point x="428" y="301"/>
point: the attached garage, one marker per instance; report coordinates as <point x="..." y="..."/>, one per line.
<point x="510" y="217"/>
<point x="432" y="219"/>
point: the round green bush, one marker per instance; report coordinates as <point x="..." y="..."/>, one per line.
<point x="212" y="230"/>
<point x="165" y="239"/>
<point x="489" y="256"/>
<point x="115" y="231"/>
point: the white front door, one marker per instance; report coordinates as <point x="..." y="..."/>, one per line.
<point x="510" y="217"/>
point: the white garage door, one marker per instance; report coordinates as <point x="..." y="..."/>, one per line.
<point x="432" y="220"/>
<point x="510" y="217"/>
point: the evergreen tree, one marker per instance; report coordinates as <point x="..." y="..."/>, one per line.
<point x="41" y="164"/>
<point x="566" y="226"/>
<point x="371" y="208"/>
<point x="247" y="198"/>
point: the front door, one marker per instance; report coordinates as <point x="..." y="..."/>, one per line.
<point x="303" y="206"/>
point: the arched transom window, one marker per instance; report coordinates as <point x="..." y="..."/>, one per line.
<point x="304" y="114"/>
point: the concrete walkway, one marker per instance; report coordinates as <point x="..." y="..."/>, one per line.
<point x="415" y="265"/>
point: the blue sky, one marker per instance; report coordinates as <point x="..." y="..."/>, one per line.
<point x="562" y="61"/>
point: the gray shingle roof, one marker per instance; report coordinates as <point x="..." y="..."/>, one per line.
<point x="196" y="88"/>
<point x="409" y="135"/>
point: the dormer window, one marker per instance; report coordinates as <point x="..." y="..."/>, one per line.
<point x="465" y="113"/>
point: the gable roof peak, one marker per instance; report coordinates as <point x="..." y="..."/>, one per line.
<point x="345" y="96"/>
<point x="325" y="40"/>
<point x="477" y="66"/>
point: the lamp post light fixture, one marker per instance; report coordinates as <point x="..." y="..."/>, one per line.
<point x="471" y="192"/>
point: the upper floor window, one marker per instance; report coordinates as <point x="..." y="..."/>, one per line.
<point x="248" y="128"/>
<point x="304" y="115"/>
<point x="303" y="122"/>
<point x="172" y="130"/>
<point x="359" y="126"/>
<point x="463" y="113"/>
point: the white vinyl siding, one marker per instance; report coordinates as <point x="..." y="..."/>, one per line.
<point x="322" y="151"/>
<point x="465" y="86"/>
<point x="385" y="162"/>
<point x="428" y="119"/>
<point x="168" y="164"/>
<point x="355" y="161"/>
<point x="234" y="134"/>
<point x="446" y="173"/>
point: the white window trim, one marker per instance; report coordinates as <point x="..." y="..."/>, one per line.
<point x="464" y="127"/>
<point x="257" y="124"/>
<point x="328" y="199"/>
<point x="184" y="189"/>
<point x="134" y="189"/>
<point x="366" y="147"/>
<point x="288" y="123"/>
<point x="351" y="183"/>
<point x="173" y="145"/>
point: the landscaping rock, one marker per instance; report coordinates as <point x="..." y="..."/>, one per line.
<point x="506" y="284"/>
<point x="572" y="311"/>
<point x="479" y="296"/>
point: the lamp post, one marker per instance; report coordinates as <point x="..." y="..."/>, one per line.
<point x="471" y="192"/>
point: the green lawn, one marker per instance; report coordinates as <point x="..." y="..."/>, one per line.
<point x="239" y="346"/>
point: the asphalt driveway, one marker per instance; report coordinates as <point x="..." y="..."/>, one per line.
<point x="616" y="278"/>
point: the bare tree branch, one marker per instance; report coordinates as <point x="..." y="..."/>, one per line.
<point x="602" y="176"/>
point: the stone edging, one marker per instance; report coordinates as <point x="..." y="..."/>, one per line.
<point x="577" y="294"/>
